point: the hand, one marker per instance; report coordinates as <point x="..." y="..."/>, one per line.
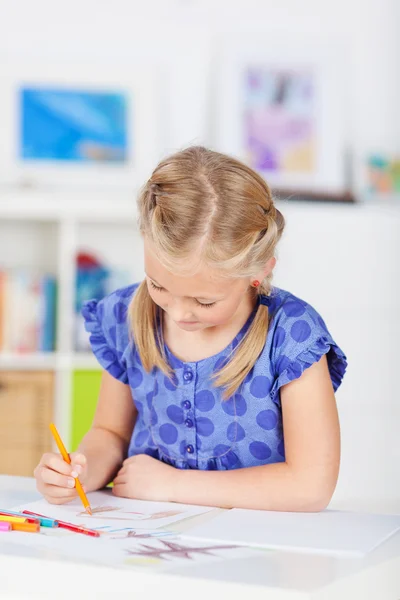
<point x="145" y="478"/>
<point x="55" y="479"/>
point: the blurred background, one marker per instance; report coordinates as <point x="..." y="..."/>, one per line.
<point x="93" y="94"/>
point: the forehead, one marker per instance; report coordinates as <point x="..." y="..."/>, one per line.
<point x="204" y="281"/>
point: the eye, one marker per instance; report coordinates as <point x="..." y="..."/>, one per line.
<point x="156" y="287"/>
<point x="205" y="305"/>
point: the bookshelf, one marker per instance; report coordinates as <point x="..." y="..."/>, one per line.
<point x="45" y="231"/>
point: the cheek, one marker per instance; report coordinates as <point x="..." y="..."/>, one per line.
<point x="156" y="297"/>
<point x="217" y="315"/>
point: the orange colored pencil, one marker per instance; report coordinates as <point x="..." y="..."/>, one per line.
<point x="67" y="459"/>
<point x="27" y="527"/>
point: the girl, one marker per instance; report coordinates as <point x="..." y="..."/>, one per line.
<point x="218" y="389"/>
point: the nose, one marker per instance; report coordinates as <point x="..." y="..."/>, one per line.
<point x="179" y="309"/>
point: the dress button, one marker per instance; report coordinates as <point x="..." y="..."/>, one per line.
<point x="189" y="423"/>
<point x="188" y="376"/>
<point x="186" y="404"/>
<point x="189" y="449"/>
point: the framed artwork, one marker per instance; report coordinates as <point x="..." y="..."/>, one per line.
<point x="80" y="125"/>
<point x="281" y="109"/>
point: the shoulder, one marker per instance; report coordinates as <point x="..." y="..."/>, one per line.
<point x="297" y="338"/>
<point x="110" y="310"/>
<point x="106" y="321"/>
<point x="293" y="317"/>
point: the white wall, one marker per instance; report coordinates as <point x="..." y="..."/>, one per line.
<point x="179" y="36"/>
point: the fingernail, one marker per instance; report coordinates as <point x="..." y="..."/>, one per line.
<point x="77" y="471"/>
<point x="74" y="474"/>
<point x="71" y="483"/>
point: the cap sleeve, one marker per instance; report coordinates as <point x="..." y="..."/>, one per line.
<point x="103" y="320"/>
<point x="300" y="339"/>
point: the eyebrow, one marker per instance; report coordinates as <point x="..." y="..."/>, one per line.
<point x="212" y="299"/>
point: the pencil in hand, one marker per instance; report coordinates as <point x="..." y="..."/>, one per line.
<point x="67" y="459"/>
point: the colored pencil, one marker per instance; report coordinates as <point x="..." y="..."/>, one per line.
<point x="27" y="527"/>
<point x="69" y="526"/>
<point x="67" y="459"/>
<point x="44" y="521"/>
<point x="5" y="526"/>
<point x="11" y="519"/>
<point x="11" y="513"/>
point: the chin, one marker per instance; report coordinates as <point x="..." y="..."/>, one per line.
<point x="191" y="326"/>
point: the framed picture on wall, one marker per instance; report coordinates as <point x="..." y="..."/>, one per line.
<point x="77" y="125"/>
<point x="281" y="109"/>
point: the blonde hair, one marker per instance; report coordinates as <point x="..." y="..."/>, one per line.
<point x="199" y="202"/>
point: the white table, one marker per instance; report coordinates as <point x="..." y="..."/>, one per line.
<point x="25" y="574"/>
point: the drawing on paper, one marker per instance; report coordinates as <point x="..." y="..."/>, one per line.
<point x="279" y="112"/>
<point x="174" y="550"/>
<point x="100" y="510"/>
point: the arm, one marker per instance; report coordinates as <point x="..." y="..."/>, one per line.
<point x="305" y="481"/>
<point x="106" y="444"/>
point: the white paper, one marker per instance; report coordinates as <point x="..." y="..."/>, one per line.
<point x="328" y="532"/>
<point x="117" y="514"/>
<point x="161" y="553"/>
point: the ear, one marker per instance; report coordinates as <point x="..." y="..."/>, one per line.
<point x="269" y="267"/>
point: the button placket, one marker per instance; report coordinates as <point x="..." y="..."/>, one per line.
<point x="187" y="405"/>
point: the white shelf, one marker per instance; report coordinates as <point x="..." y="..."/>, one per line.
<point x="117" y="206"/>
<point x="52" y="361"/>
<point x="31" y="362"/>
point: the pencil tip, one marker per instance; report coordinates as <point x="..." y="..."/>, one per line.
<point x="89" y="510"/>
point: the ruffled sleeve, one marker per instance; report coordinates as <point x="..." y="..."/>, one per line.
<point x="105" y="321"/>
<point x="299" y="339"/>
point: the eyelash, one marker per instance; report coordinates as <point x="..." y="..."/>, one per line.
<point x="160" y="289"/>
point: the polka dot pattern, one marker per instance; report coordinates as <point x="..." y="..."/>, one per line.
<point x="205" y="427"/>
<point x="300" y="331"/>
<point x="168" y="433"/>
<point x="279" y="336"/>
<point x="175" y="413"/>
<point x="221" y="363"/>
<point x="141" y="438"/>
<point x="260" y="386"/>
<point x="293" y="308"/>
<point x="204" y="401"/>
<point x="236" y="405"/>
<point x="235" y="432"/>
<point x="267" y="419"/>
<point x="185" y="421"/>
<point x="135" y="377"/>
<point x="171" y="383"/>
<point x="120" y="310"/>
<point x="260" y="450"/>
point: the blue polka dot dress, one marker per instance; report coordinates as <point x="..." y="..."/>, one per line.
<point x="184" y="421"/>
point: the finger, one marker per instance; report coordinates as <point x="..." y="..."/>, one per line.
<point x="78" y="463"/>
<point x="50" y="477"/>
<point x="120" y="479"/>
<point x="53" y="492"/>
<point x="59" y="500"/>
<point x="56" y="463"/>
<point x="118" y="490"/>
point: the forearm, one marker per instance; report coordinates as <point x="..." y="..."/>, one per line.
<point x="104" y="452"/>
<point x="276" y="487"/>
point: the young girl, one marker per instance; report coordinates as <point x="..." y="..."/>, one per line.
<point x="217" y="389"/>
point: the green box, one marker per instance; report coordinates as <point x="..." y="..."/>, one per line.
<point x="85" y="393"/>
